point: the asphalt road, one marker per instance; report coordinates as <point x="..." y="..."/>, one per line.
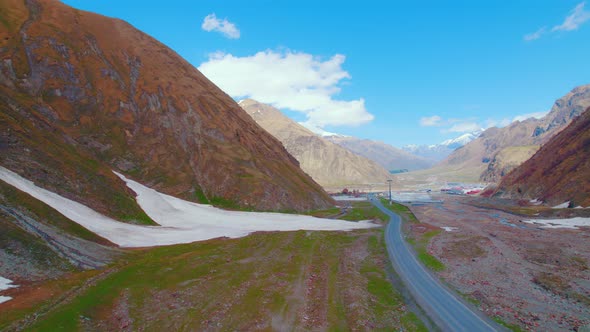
<point x="443" y="307"/>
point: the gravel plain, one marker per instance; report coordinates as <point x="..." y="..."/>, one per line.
<point x="525" y="275"/>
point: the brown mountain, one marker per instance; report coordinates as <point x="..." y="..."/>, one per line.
<point x="559" y="171"/>
<point x="506" y="160"/>
<point x="82" y="95"/>
<point x="326" y="162"/>
<point x="391" y="158"/>
<point x="473" y="159"/>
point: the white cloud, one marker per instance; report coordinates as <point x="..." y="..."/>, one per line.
<point x="467" y="125"/>
<point x="463" y="127"/>
<point x="535" y="35"/>
<point x="228" y="29"/>
<point x="451" y="125"/>
<point x="430" y="121"/>
<point x="497" y="123"/>
<point x="573" y="21"/>
<point x="536" y="115"/>
<point x="289" y="80"/>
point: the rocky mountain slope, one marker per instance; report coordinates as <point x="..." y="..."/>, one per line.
<point x="327" y="163"/>
<point x="82" y="95"/>
<point x="37" y="242"/>
<point x="474" y="157"/>
<point x="506" y="160"/>
<point x="559" y="171"/>
<point x="391" y="158"/>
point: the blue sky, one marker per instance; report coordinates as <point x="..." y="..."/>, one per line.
<point x="399" y="72"/>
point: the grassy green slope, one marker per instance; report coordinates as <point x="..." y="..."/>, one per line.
<point x="291" y="280"/>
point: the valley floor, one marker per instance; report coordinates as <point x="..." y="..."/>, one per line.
<point x="289" y="280"/>
<point x="524" y="275"/>
<point x="294" y="280"/>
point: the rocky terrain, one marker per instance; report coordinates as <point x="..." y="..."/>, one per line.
<point x="38" y="243"/>
<point x="559" y="172"/>
<point x="327" y="163"/>
<point x="389" y="157"/>
<point x="506" y="160"/>
<point x="529" y="277"/>
<point x="474" y="157"/>
<point x="82" y="94"/>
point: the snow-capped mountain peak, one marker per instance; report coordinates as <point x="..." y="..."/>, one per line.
<point x="443" y="149"/>
<point x="462" y="140"/>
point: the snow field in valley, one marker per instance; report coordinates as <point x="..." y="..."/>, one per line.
<point x="180" y="221"/>
<point x="4" y="285"/>
<point x="572" y="223"/>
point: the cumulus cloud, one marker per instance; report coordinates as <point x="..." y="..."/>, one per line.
<point x="535" y="35"/>
<point x="573" y="21"/>
<point x="289" y="80"/>
<point x="430" y="121"/>
<point x="451" y="125"/>
<point x="225" y="27"/>
<point x="536" y="115"/>
<point x="466" y="125"/>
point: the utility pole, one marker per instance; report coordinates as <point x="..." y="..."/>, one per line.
<point x="389" y="190"/>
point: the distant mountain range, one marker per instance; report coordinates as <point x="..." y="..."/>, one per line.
<point x="485" y="158"/>
<point x="327" y="163"/>
<point x="437" y="152"/>
<point x="390" y="157"/>
<point x="408" y="158"/>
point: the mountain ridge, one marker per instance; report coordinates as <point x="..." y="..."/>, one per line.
<point x="83" y="94"/>
<point x="474" y="157"/>
<point x="558" y="172"/>
<point x="327" y="163"/>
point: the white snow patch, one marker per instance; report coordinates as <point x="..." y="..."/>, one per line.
<point x="449" y="229"/>
<point x="180" y="221"/>
<point x="572" y="223"/>
<point x="463" y="139"/>
<point x="536" y="201"/>
<point x="563" y="205"/>
<point x="4" y="285"/>
<point x="348" y="198"/>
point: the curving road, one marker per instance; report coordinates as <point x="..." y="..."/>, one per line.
<point x="440" y="304"/>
